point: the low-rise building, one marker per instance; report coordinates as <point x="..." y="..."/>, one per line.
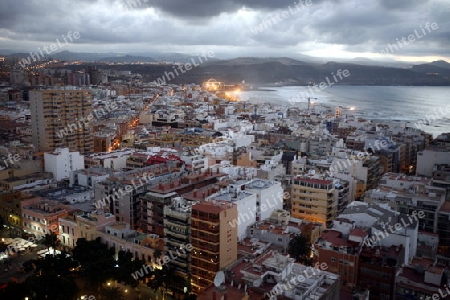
<point x="42" y="218"/>
<point x="61" y="162"/>
<point x="120" y="237"/>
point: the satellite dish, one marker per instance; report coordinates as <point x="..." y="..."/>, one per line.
<point x="219" y="279"/>
<point x="257" y="283"/>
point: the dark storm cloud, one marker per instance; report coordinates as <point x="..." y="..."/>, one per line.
<point x="402" y="4"/>
<point x="209" y="8"/>
<point x="356" y="26"/>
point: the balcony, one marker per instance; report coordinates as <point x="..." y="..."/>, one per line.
<point x="184" y="217"/>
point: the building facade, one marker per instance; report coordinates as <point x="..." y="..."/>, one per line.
<point x="60" y="118"/>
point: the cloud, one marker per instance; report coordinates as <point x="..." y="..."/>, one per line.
<point x="354" y="27"/>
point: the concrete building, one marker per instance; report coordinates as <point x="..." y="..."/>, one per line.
<point x="17" y="76"/>
<point x="386" y="227"/>
<point x="195" y="163"/>
<point x="68" y="230"/>
<point x="90" y="223"/>
<point x="340" y="251"/>
<point x="121" y="193"/>
<point x="443" y="227"/>
<point x="441" y="177"/>
<point x="269" y="196"/>
<point x="11" y="207"/>
<point x="174" y="185"/>
<point x="120" y="237"/>
<point x="378" y="268"/>
<point x="245" y="202"/>
<point x="115" y="160"/>
<point x="177" y="234"/>
<point x="410" y="193"/>
<point x="366" y="169"/>
<point x="422" y="278"/>
<point x="272" y="275"/>
<point x="213" y="239"/>
<point x="62" y="118"/>
<point x="313" y="199"/>
<point x="89" y="177"/>
<point x="428" y="158"/>
<point x="42" y="218"/>
<point x="61" y="162"/>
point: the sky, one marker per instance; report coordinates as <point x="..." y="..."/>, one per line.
<point x="343" y="29"/>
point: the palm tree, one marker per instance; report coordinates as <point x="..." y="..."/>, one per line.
<point x="51" y="241"/>
<point x="299" y="248"/>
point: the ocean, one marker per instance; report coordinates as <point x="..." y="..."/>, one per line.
<point x="406" y="103"/>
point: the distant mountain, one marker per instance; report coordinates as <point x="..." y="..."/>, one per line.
<point x="4" y="52"/>
<point x="111" y="57"/>
<point x="127" y="59"/>
<point x="288" y="71"/>
<point x="256" y="60"/>
<point x="441" y="64"/>
<point x="435" y="68"/>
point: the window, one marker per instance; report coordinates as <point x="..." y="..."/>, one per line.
<point x="333" y="259"/>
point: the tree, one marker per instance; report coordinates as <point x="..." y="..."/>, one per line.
<point x="161" y="279"/>
<point x="157" y="254"/>
<point x="61" y="264"/>
<point x="299" y="248"/>
<point x="2" y="222"/>
<point x="108" y="293"/>
<point x="51" y="240"/>
<point x="51" y="280"/>
<point x="126" y="265"/>
<point x="96" y="260"/>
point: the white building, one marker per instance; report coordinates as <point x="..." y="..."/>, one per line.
<point x="246" y="206"/>
<point x="195" y="162"/>
<point x="255" y="199"/>
<point x="430" y="157"/>
<point x="88" y="177"/>
<point x="388" y="227"/>
<point x="61" y="162"/>
<point x="269" y="195"/>
<point x="116" y="159"/>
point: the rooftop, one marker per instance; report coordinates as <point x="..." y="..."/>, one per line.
<point x="215" y="206"/>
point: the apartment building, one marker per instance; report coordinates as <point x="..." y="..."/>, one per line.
<point x="272" y="275"/>
<point x="422" y="278"/>
<point x="120" y="194"/>
<point x="159" y="195"/>
<point x="60" y="118"/>
<point x="115" y="160"/>
<point x="213" y="240"/>
<point x="410" y="193"/>
<point x="42" y="218"/>
<point x="313" y="199"/>
<point x="177" y="235"/>
<point x="68" y="230"/>
<point x="378" y="268"/>
<point x="431" y="156"/>
<point x="121" y="237"/>
<point x="11" y="207"/>
<point x="62" y="161"/>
